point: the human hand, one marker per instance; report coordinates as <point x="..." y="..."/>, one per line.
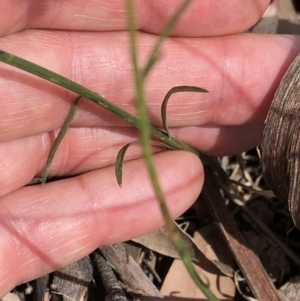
<point x="45" y="228"/>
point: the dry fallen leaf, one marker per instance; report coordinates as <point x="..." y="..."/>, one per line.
<point x="178" y="284"/>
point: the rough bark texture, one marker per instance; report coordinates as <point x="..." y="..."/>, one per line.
<point x="280" y="147"/>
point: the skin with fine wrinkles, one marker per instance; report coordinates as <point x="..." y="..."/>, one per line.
<point x="44" y="228"/>
<point x="99" y="15"/>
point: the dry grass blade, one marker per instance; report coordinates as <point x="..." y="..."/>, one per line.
<point x="281" y="164"/>
<point x="258" y="280"/>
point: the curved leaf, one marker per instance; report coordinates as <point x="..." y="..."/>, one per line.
<point x="121" y="155"/>
<point x="168" y="95"/>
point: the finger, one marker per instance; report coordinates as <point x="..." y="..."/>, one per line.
<point x="202" y="18"/>
<point x="221" y="141"/>
<point x="81" y="150"/>
<point x="85" y="149"/>
<point x="45" y="228"/>
<point x="241" y="73"/>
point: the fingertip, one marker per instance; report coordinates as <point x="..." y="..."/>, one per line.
<point x="181" y="175"/>
<point x="45" y="228"/>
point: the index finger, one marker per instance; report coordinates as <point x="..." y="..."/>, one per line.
<point x="203" y="18"/>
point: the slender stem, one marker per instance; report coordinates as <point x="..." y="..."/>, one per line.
<point x="146" y="146"/>
<point x="78" y="89"/>
<point x="144" y="121"/>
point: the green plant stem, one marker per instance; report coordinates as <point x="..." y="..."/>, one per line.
<point x="95" y="97"/>
<point x="146" y="146"/>
<point x="143" y="120"/>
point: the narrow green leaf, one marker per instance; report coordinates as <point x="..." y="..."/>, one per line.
<point x="166" y="99"/>
<point x="121" y="155"/>
<point x="59" y="138"/>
